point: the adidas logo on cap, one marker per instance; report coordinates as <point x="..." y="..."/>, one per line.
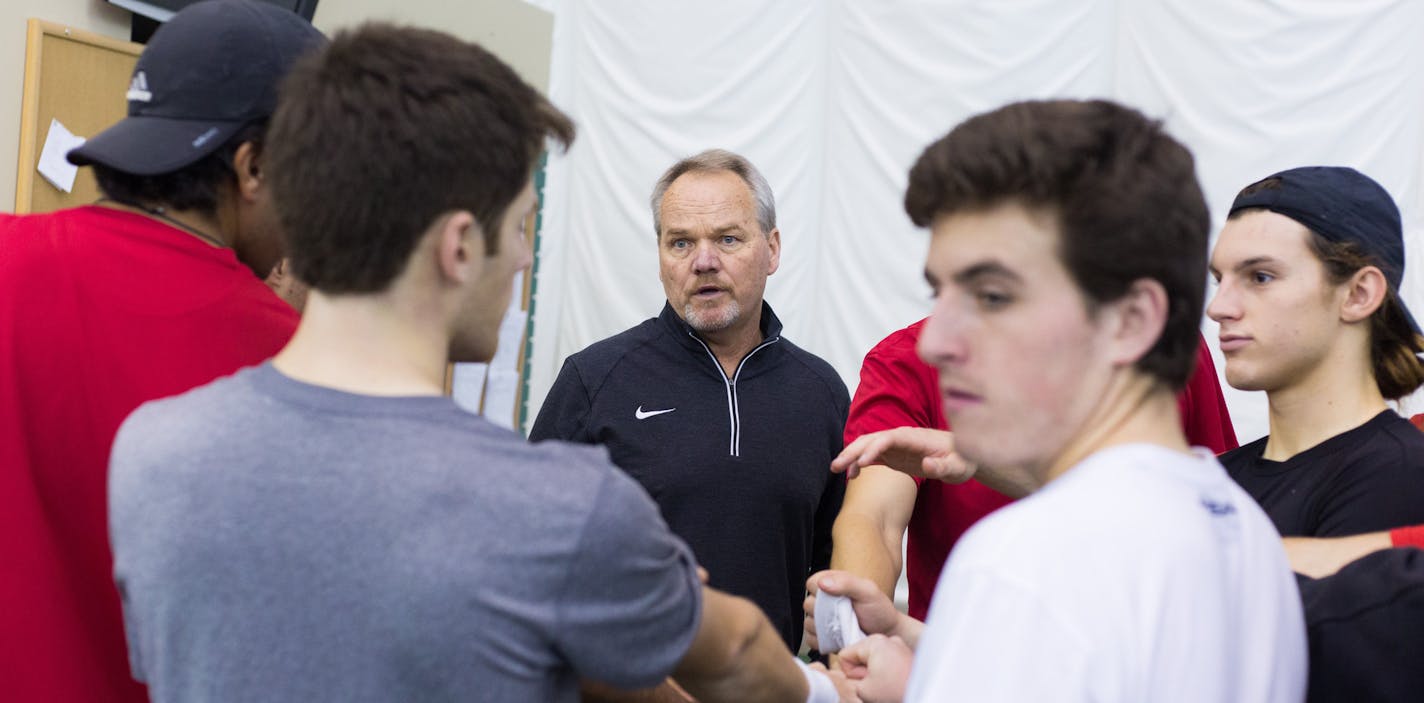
<point x="138" y="89"/>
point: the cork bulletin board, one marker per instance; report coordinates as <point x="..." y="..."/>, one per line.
<point x="78" y="78"/>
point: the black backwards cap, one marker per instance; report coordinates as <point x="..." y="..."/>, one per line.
<point x="207" y="73"/>
<point x="1341" y="205"/>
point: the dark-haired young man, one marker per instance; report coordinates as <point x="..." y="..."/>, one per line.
<point x="1068" y="261"/>
<point x="885" y="508"/>
<point x="147" y="293"/>
<point x="329" y="526"/>
<point x="1309" y="265"/>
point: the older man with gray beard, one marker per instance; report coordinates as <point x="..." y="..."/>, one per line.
<point x="728" y="425"/>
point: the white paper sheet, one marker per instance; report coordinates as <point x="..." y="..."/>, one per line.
<point x="52" y="164"/>
<point x="468" y="386"/>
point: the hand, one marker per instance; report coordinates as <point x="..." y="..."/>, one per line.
<point x="875" y="611"/>
<point x="844" y="688"/>
<point x="917" y="451"/>
<point x="879" y="666"/>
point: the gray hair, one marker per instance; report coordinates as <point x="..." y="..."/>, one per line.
<point x="719" y="160"/>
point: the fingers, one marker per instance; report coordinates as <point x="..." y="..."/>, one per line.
<point x="845" y="690"/>
<point x="843" y="583"/>
<point x="808" y="609"/>
<point x="879" y="666"/>
<point x="949" y="469"/>
<point x="866" y="450"/>
<point x="855" y="658"/>
<point x="852" y="457"/>
<point x="702" y="575"/>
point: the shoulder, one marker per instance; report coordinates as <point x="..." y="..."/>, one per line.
<point x="197" y="404"/>
<point x="178" y="424"/>
<point x="25" y="238"/>
<point x="597" y="360"/>
<point x="817" y="369"/>
<point x="1398" y="436"/>
<point x="898" y="346"/>
<point x="1243" y="455"/>
<point x="581" y="480"/>
<point x="1133" y="495"/>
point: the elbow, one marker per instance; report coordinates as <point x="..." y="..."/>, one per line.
<point x="747" y="630"/>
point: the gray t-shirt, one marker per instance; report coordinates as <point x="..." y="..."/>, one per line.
<point x="275" y="540"/>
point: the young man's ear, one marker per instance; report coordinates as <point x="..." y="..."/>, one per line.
<point x="1141" y="317"/>
<point x="459" y="246"/>
<point x="1364" y="293"/>
<point x="247" y="169"/>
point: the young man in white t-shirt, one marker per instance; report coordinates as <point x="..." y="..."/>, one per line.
<point x="1068" y="260"/>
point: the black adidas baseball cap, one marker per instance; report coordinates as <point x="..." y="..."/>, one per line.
<point x="208" y="72"/>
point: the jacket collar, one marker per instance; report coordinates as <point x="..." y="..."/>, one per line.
<point x="688" y="337"/>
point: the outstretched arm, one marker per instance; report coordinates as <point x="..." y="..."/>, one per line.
<point x="872" y="523"/>
<point x="738" y="656"/>
<point x="1318" y="557"/>
<point x="927" y="453"/>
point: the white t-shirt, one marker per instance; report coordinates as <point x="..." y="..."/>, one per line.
<point x="1141" y="574"/>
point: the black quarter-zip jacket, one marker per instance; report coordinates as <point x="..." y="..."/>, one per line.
<point x="739" y="466"/>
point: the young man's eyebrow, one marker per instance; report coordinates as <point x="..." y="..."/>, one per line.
<point x="986" y="269"/>
<point x="1253" y="261"/>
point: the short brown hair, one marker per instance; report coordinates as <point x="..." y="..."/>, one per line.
<point x="386" y="130"/>
<point x="1125" y="196"/>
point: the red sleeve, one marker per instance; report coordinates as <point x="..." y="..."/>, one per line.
<point x="1205" y="419"/>
<point x="896" y="389"/>
<point x="1407" y="536"/>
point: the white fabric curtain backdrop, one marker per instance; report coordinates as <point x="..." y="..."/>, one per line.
<point x="834" y="99"/>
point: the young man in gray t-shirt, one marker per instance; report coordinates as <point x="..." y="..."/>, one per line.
<point x="328" y="526"/>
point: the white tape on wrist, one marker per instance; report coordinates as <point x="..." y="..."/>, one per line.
<point x="819" y="685"/>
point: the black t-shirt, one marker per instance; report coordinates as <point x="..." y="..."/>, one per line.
<point x="1367" y="479"/>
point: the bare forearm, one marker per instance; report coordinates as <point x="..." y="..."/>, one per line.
<point x="762" y="670"/>
<point x="864" y="548"/>
<point x="1319" y="557"/>
<point x="737" y="656"/>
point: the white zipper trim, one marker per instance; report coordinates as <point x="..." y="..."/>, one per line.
<point x="733" y="406"/>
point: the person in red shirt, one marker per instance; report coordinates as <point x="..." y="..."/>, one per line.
<point x="152" y="291"/>
<point x="897" y="389"/>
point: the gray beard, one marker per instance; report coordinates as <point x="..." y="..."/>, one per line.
<point x="712" y="321"/>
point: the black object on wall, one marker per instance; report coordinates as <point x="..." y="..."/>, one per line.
<point x="149" y="14"/>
